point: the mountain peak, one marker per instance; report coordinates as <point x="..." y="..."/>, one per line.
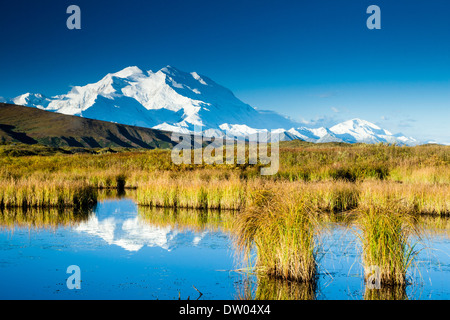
<point x="355" y="124"/>
<point x="170" y="70"/>
<point x="361" y="122"/>
<point x="127" y="72"/>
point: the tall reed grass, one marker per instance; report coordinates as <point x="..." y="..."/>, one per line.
<point x="334" y="175"/>
<point x="410" y="198"/>
<point x="31" y="193"/>
<point x="192" y="191"/>
<point x="385" y="236"/>
<point x="282" y="227"/>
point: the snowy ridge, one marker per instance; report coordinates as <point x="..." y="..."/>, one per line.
<point x="177" y="101"/>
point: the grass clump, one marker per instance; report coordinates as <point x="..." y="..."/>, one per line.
<point x="385" y="235"/>
<point x="281" y="226"/>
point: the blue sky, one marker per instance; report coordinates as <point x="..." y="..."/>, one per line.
<point x="315" y="61"/>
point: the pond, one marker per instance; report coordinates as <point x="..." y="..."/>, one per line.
<point x="128" y="252"/>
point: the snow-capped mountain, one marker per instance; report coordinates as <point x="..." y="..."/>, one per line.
<point x="351" y="131"/>
<point x="168" y="99"/>
<point x="358" y="130"/>
<point x="173" y="100"/>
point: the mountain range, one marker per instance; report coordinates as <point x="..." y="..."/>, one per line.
<point x="177" y="101"/>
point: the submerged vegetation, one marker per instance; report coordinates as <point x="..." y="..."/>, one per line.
<point x="383" y="188"/>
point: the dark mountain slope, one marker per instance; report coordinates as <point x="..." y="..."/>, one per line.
<point x="30" y="126"/>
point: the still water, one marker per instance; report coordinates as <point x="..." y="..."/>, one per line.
<point x="126" y="252"/>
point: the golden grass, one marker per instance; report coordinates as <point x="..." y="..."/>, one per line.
<point x="282" y="227"/>
<point x="385" y="236"/>
<point x="411" y="198"/>
<point x="192" y="191"/>
<point x="36" y="193"/>
<point x="335" y="175"/>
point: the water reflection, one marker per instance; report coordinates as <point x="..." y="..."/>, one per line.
<point x="386" y="293"/>
<point x="158" y="253"/>
<point x="129" y="233"/>
<point x="433" y="226"/>
<point x="188" y="219"/>
<point x="265" y="288"/>
<point x="123" y="252"/>
<point x="151" y="227"/>
<point x="42" y="218"/>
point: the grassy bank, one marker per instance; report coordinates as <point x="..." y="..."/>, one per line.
<point x="308" y="163"/>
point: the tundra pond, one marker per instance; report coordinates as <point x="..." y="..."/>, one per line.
<point x="125" y="251"/>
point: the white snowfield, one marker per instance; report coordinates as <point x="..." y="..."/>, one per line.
<point x="177" y="101"/>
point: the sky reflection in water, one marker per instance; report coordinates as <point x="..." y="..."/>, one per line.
<point x="123" y="255"/>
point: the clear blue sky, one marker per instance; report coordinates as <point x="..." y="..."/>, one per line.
<point x="314" y="61"/>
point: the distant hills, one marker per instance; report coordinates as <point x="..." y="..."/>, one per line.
<point x="33" y="126"/>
